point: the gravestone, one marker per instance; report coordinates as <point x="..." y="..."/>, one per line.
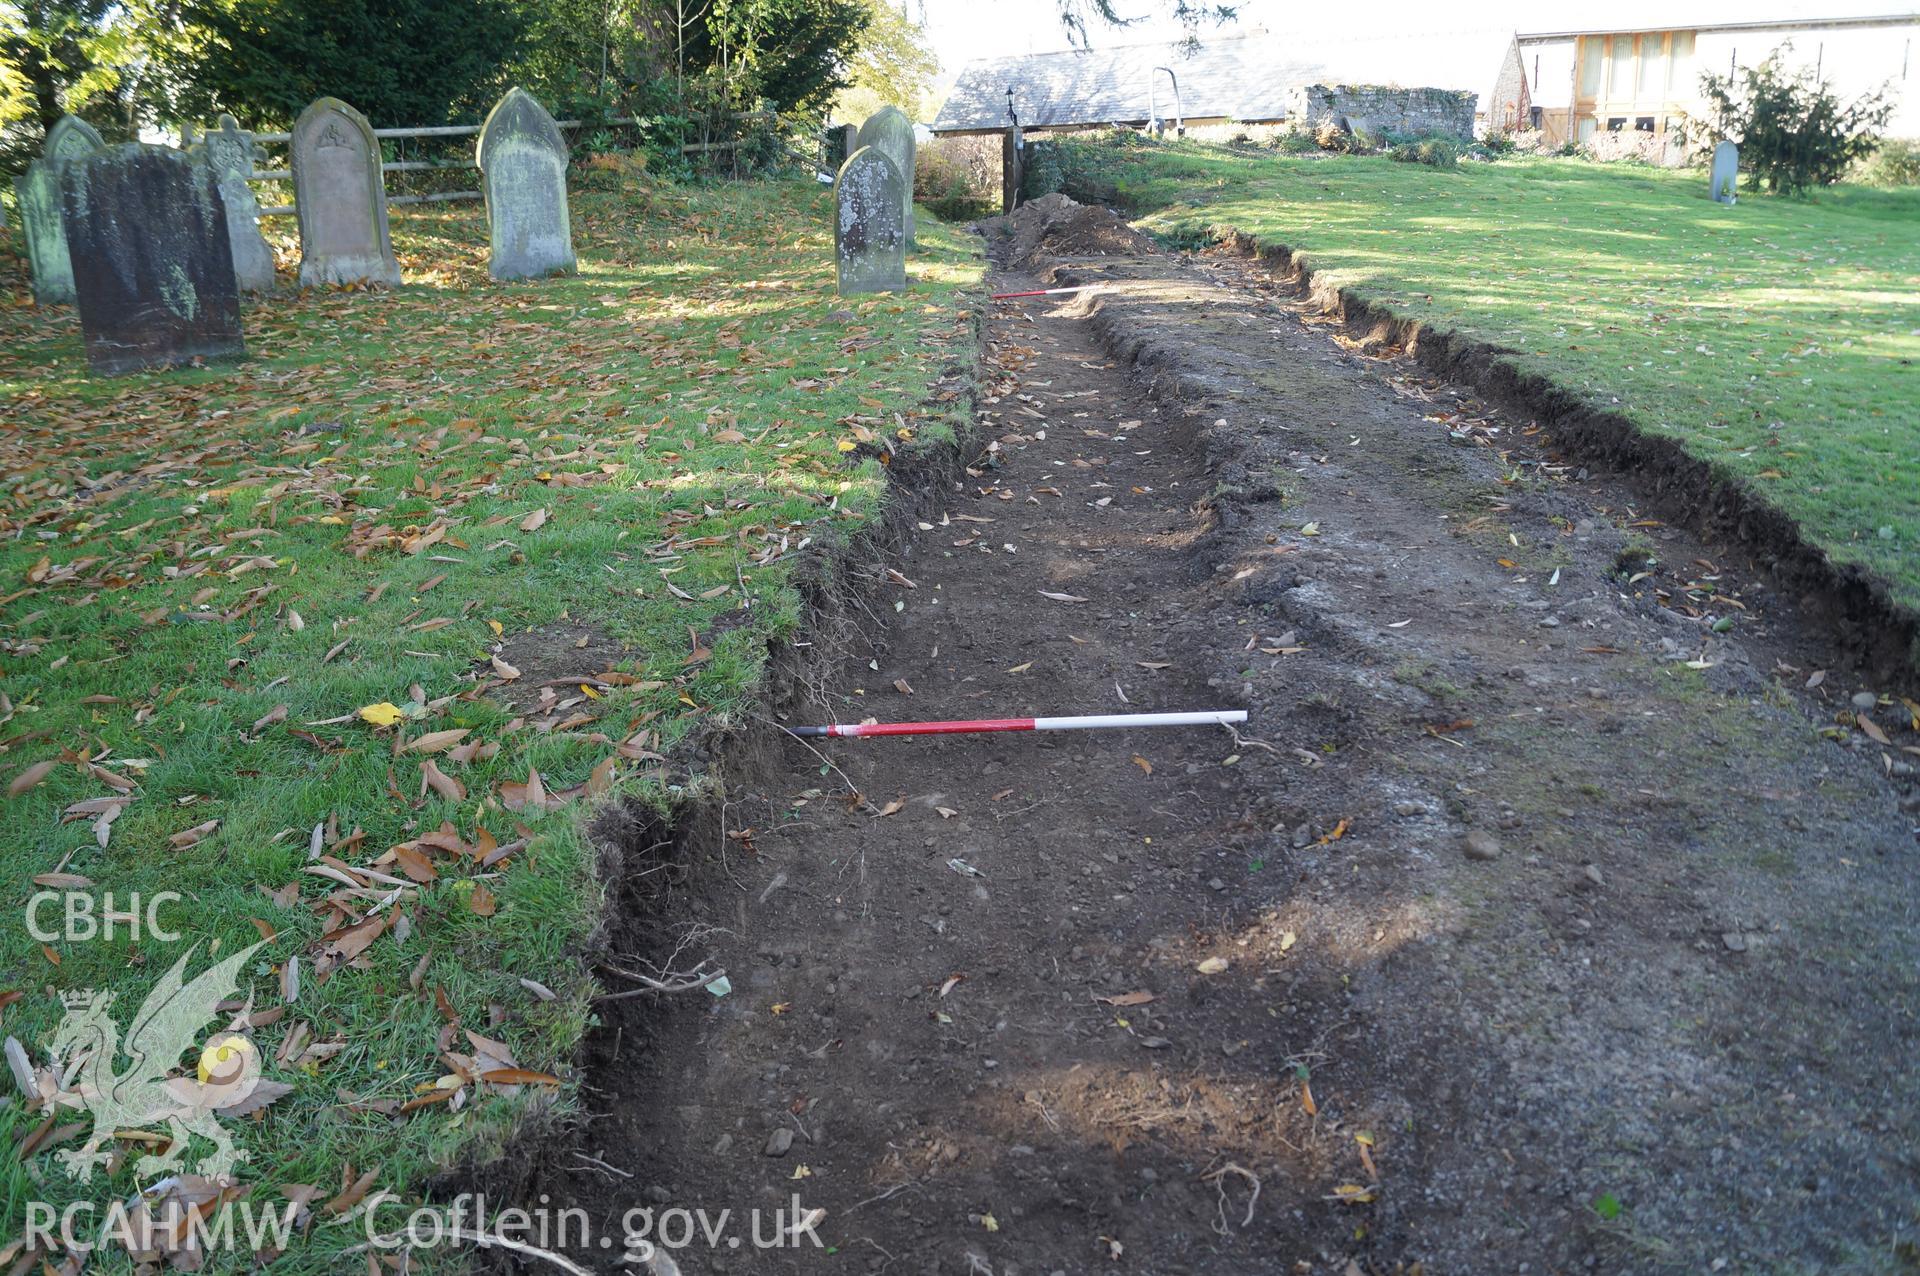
<point x="523" y="165"/>
<point x="889" y="131"/>
<point x="228" y="153"/>
<point x="869" y="233"/>
<point x="1726" y="173"/>
<point x="38" y="193"/>
<point x="152" y="270"/>
<point x="339" y="198"/>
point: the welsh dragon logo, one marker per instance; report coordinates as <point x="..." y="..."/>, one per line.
<point x="87" y="1043"/>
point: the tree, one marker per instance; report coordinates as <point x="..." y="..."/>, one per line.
<point x="1792" y="129"/>
<point x="1076" y="15"/>
<point x="791" y="53"/>
<point x="398" y="61"/>
<point x="890" y="66"/>
<point x="60" y="56"/>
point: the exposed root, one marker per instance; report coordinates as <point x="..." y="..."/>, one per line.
<point x="1218" y="1179"/>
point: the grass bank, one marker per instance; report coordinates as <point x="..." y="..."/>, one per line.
<point x="1777" y="340"/>
<point x="339" y="645"/>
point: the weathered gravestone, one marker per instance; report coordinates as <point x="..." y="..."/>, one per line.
<point x="339" y="198"/>
<point x="152" y="270"/>
<point x="1726" y="173"/>
<point x="38" y="193"/>
<point x="228" y="153"/>
<point x="869" y="233"/>
<point x="889" y="131"/>
<point x="523" y="164"/>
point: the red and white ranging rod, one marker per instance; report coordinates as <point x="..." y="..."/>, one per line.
<point x="1083" y="722"/>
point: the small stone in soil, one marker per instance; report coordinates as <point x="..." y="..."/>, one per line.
<point x="1482" y="845"/>
<point x="1735" y="941"/>
<point x="1865" y="701"/>
<point x="1593" y="875"/>
<point x="779" y="1141"/>
<point x="1408" y="807"/>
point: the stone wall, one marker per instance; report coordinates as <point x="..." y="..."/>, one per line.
<point x="1373" y="108"/>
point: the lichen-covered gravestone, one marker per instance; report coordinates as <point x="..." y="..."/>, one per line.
<point x="228" y="153"/>
<point x="523" y="164"/>
<point x="339" y="198"/>
<point x="869" y="234"/>
<point x="1726" y="173"/>
<point x="889" y="131"/>
<point x="152" y="270"/>
<point x="38" y="193"/>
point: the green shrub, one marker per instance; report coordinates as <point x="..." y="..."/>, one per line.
<point x="1794" y="131"/>
<point x="1895" y="162"/>
<point x="1078" y="168"/>
<point x="1435" y="152"/>
<point x="958" y="177"/>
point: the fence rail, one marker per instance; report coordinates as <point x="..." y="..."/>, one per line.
<point x="421" y="166"/>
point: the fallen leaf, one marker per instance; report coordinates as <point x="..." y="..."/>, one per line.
<point x="1127" y="999"/>
<point x="1062" y="598"/>
<point x="534" y="521"/>
<point x="384" y="714"/>
<point x="519" y="1076"/>
<point x="193" y="836"/>
<point x="436" y="741"/>
<point x="31" y="776"/>
<point x="1212" y="966"/>
<point x="1143" y="764"/>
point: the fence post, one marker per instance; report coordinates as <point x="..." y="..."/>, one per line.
<point x="1011" y="169"/>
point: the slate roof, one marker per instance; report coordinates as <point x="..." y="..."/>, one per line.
<point x="1239" y="77"/>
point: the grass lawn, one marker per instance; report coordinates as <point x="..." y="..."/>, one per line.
<point x="207" y="575"/>
<point x="1778" y="339"/>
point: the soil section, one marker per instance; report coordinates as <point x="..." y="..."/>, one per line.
<point x="1532" y="925"/>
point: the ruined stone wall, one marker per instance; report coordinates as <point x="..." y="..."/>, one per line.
<point x="1372" y="108"/>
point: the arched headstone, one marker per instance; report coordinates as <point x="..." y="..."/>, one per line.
<point x="38" y="193"/>
<point x="869" y="235"/>
<point x="339" y="198"/>
<point x="228" y="153"/>
<point x="1725" y="173"/>
<point x="523" y="166"/>
<point x="889" y="131"/>
<point x="153" y="274"/>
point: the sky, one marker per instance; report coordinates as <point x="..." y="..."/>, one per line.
<point x="1462" y="39"/>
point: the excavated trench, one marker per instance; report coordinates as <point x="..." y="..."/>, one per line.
<point x="1531" y="923"/>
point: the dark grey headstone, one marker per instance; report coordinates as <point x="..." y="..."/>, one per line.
<point x="889" y="131"/>
<point x="1725" y="178"/>
<point x="152" y="271"/>
<point x="869" y="234"/>
<point x="523" y="163"/>
<point x="228" y="153"/>
<point x="38" y="192"/>
<point x="340" y="198"/>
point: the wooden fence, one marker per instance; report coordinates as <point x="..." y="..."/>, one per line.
<point x="419" y="166"/>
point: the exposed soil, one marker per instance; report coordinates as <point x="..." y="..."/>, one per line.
<point x="1556" y="936"/>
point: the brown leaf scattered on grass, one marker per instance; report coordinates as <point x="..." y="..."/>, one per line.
<point x="436" y="741"/>
<point x="432" y="777"/>
<point x="31" y="777"/>
<point x="193" y="836"/>
<point x="534" y="521"/>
